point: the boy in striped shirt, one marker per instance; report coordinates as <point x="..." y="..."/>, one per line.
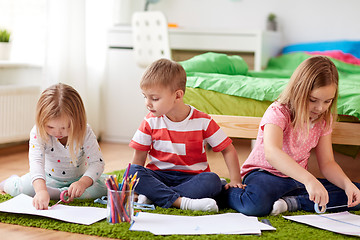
<point x="173" y="136"/>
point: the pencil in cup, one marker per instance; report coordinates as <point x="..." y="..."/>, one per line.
<point x="120" y="206"/>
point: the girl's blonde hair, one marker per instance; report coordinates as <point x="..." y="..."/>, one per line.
<point x="313" y="73"/>
<point x="61" y="100"/>
<point x="166" y="73"/>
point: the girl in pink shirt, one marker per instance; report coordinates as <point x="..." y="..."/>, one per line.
<point x="275" y="174"/>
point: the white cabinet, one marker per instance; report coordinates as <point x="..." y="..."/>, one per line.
<point x="19" y="93"/>
<point x="262" y="44"/>
<point x="122" y="100"/>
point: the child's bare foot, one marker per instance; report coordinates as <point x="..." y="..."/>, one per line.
<point x="2" y="184"/>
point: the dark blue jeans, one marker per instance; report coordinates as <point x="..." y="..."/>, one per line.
<point x="164" y="187"/>
<point x="264" y="188"/>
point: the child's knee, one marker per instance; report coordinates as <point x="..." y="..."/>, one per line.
<point x="213" y="179"/>
<point x="135" y="168"/>
<point x="16" y="185"/>
<point x="248" y="202"/>
<point x="212" y="183"/>
<point x="13" y="186"/>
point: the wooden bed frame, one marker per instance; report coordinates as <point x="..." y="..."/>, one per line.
<point x="247" y="127"/>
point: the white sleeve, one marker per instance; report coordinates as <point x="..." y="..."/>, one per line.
<point x="36" y="156"/>
<point x="94" y="156"/>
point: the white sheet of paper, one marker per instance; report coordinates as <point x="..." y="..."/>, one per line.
<point x="228" y="223"/>
<point x="342" y="222"/>
<point x="81" y="215"/>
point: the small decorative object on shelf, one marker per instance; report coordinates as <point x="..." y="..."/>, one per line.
<point x="5" y="44"/>
<point x="271" y="24"/>
<point x="148" y="2"/>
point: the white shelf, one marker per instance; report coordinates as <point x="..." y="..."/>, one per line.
<point x="263" y="44"/>
<point x="20" y="73"/>
<point x="17" y="64"/>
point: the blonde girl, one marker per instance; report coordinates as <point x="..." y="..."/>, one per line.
<point x="63" y="151"/>
<point x="275" y="173"/>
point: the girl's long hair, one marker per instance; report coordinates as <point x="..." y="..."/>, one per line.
<point x="313" y="73"/>
<point x="61" y="100"/>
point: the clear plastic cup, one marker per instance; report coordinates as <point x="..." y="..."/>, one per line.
<point x="120" y="206"/>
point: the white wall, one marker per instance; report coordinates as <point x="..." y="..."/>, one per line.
<point x="299" y="21"/>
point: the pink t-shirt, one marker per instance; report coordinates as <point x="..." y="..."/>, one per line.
<point x="297" y="147"/>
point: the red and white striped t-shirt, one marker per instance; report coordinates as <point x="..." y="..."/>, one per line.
<point x="179" y="146"/>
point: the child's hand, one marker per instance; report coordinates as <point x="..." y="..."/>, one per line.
<point x="317" y="192"/>
<point x="235" y="185"/>
<point x="76" y="189"/>
<point x="41" y="200"/>
<point x="353" y="194"/>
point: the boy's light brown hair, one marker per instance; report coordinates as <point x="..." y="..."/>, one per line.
<point x="313" y="73"/>
<point x="165" y="73"/>
<point x="61" y="100"/>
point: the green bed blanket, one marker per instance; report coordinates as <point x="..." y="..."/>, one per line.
<point x="229" y="75"/>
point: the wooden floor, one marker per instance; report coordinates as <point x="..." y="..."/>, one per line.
<point x="13" y="160"/>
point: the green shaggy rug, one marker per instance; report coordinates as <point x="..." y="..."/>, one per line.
<point x="285" y="229"/>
